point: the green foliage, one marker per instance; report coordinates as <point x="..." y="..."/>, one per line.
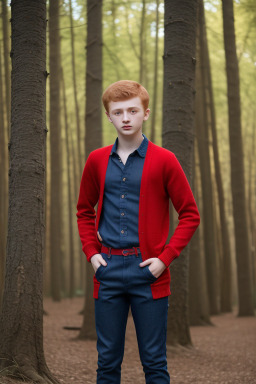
<point x="121" y="42"/>
<point x="245" y="29"/>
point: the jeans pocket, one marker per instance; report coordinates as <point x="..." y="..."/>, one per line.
<point x="102" y="268"/>
<point x="98" y="271"/>
<point x="149" y="274"/>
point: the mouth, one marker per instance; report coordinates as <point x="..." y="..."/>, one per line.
<point x="126" y="126"/>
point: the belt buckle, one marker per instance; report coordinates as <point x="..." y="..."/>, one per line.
<point x="125" y="252"/>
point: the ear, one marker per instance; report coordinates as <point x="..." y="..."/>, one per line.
<point x="146" y="116"/>
<point x="108" y="117"/>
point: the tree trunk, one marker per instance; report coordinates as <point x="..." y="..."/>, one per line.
<point x="21" y="322"/>
<point x="6" y="39"/>
<point x="225" y="268"/>
<point x="202" y="127"/>
<point x="70" y="215"/>
<point x="251" y="205"/>
<point x="55" y="142"/>
<point x="3" y="185"/>
<point x="154" y="109"/>
<point x="178" y="135"/>
<point x="142" y="42"/>
<point x="199" y="313"/>
<point x="93" y="124"/>
<point x="244" y="277"/>
<point x="78" y="131"/>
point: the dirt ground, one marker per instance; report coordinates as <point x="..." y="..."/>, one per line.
<point x="224" y="353"/>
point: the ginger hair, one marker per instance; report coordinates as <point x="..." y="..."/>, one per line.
<point x="125" y="90"/>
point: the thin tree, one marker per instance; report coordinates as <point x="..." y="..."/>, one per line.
<point x="77" y="114"/>
<point x="6" y="39"/>
<point x="21" y="321"/>
<point x="244" y="277"/>
<point x="70" y="215"/>
<point x="202" y="129"/>
<point x="178" y="135"/>
<point x="55" y="142"/>
<point x="3" y="183"/>
<point x="142" y="42"/>
<point x="251" y="206"/>
<point x="154" y="104"/>
<point x="225" y="269"/>
<point x="199" y="312"/>
<point x="93" y="123"/>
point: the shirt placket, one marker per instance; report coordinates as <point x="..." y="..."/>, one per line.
<point x="123" y="200"/>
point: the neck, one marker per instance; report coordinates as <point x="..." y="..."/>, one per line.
<point x="129" y="143"/>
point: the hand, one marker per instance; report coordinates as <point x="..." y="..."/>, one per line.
<point x="99" y="236"/>
<point x="156" y="266"/>
<point x="97" y="260"/>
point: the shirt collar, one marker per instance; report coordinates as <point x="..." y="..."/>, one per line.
<point x="141" y="150"/>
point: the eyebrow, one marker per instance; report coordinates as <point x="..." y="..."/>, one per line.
<point x="120" y="109"/>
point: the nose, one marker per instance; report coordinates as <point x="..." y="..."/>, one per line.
<point x="125" y="117"/>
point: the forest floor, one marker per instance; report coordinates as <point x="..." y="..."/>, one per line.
<point x="224" y="353"/>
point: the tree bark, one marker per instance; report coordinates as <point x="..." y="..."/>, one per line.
<point x="225" y="268"/>
<point x="202" y="128"/>
<point x="251" y="207"/>
<point x="6" y="39"/>
<point x="70" y="215"/>
<point x="21" y="322"/>
<point x="142" y="42"/>
<point x="178" y="135"/>
<point x="78" y="130"/>
<point x="55" y="142"/>
<point x="199" y="311"/>
<point x="93" y="124"/>
<point x="3" y="184"/>
<point x="154" y="109"/>
<point x="244" y="277"/>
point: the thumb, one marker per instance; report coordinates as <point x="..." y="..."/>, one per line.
<point x="102" y="261"/>
<point x="146" y="262"/>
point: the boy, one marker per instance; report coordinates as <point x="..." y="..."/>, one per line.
<point x="125" y="242"/>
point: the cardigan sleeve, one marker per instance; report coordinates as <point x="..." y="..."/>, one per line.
<point x="86" y="215"/>
<point x="181" y="195"/>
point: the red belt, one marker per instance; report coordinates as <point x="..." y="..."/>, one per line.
<point x="120" y="251"/>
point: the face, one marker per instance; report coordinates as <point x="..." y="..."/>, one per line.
<point x="127" y="116"/>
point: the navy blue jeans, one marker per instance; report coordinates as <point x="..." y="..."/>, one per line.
<point x="124" y="284"/>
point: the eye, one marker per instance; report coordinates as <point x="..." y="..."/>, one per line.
<point x="117" y="113"/>
<point x="133" y="111"/>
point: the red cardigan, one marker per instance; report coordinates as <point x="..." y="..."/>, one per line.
<point x="162" y="178"/>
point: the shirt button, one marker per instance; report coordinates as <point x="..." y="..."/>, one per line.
<point x="122" y="196"/>
<point x="124" y="178"/>
<point x="122" y="213"/>
<point x="122" y="231"/>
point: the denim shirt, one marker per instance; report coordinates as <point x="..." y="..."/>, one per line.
<point x="118" y="225"/>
